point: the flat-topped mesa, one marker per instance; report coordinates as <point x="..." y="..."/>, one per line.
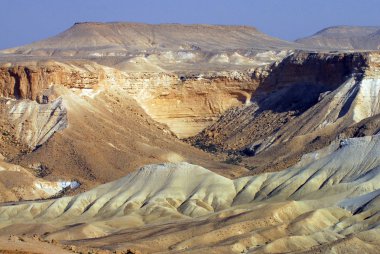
<point x="168" y="26"/>
<point x="86" y="39"/>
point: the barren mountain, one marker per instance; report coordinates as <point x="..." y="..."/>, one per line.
<point x="136" y="47"/>
<point x="345" y="37"/>
<point x="94" y="123"/>
<point x="123" y="38"/>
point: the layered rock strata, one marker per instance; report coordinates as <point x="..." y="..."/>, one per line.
<point x="187" y="103"/>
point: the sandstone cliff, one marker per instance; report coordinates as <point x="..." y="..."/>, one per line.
<point x="28" y="80"/>
<point x="187" y="106"/>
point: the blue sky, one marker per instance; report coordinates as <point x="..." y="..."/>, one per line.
<point x="25" y="21"/>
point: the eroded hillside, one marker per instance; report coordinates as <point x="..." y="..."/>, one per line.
<point x="92" y="128"/>
<point x="327" y="202"/>
<point x="301" y="103"/>
<point x="307" y="101"/>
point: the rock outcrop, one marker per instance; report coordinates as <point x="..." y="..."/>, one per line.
<point x="189" y="105"/>
<point x="190" y="102"/>
<point x="304" y="99"/>
<point x="29" y="80"/>
<point x="107" y="129"/>
<point x="35" y="123"/>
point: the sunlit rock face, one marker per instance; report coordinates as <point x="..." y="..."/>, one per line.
<point x="186" y="103"/>
<point x="189" y="105"/>
<point x="28" y="80"/>
<point x="306" y="101"/>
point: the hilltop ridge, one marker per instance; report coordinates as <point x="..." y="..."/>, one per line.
<point x="118" y="37"/>
<point x="345" y="37"/>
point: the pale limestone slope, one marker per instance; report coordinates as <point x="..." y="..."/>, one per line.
<point x="331" y="196"/>
<point x="35" y="123"/>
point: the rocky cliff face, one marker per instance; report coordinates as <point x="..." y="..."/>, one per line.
<point x="28" y="80"/>
<point x="327" y="69"/>
<point x="152" y="63"/>
<point x="284" y="94"/>
<point x="189" y="105"/>
<point x="304" y="103"/>
<point x="186" y="103"/>
<point x="38" y="112"/>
